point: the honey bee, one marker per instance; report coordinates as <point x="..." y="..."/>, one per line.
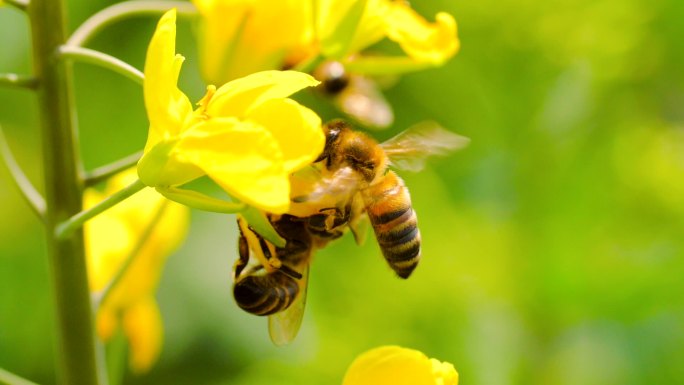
<point x="347" y="185"/>
<point x="355" y="95"/>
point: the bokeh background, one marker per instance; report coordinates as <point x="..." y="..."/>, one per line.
<point x="553" y="244"/>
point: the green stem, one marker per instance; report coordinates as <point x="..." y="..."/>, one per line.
<point x="124" y="10"/>
<point x="21" y="5"/>
<point x="103" y="60"/>
<point x="7" y="378"/>
<point x="75" y="334"/>
<point x="105" y="172"/>
<point x="200" y="201"/>
<point x="309" y="64"/>
<point x="67" y="227"/>
<point x="30" y="194"/>
<point x="19" y="81"/>
<point x="101" y="297"/>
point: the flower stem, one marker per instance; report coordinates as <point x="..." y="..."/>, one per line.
<point x="7" y="378"/>
<point x="103" y="60"/>
<point x="75" y="336"/>
<point x="66" y="228"/>
<point x="101" y="297"/>
<point x="30" y="194"/>
<point x="103" y="173"/>
<point x="19" y="81"/>
<point x="121" y="11"/>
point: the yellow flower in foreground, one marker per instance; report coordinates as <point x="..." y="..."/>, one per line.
<point x="110" y="239"/>
<point x="394" y="365"/>
<point x="247" y="136"/>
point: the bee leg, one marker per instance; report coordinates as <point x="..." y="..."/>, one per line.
<point x="272" y="260"/>
<point x="257" y="245"/>
<point x="243" y="253"/>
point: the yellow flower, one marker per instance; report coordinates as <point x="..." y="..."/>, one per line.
<point x="423" y="42"/>
<point x="394" y="365"/>
<point x="247" y="136"/>
<point x="110" y="239"/>
<point x="243" y="36"/>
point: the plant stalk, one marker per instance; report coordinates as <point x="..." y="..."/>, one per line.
<point x="75" y="337"/>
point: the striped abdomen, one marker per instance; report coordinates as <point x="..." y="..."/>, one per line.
<point x="265" y="294"/>
<point x="388" y="205"/>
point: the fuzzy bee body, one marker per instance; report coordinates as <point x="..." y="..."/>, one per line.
<point x="348" y="184"/>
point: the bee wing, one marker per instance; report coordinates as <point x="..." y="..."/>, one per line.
<point x="410" y="148"/>
<point x="339" y="183"/>
<point x="284" y="326"/>
<point x="363" y="101"/>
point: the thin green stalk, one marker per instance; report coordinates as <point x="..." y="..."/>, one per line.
<point x="7" y="378"/>
<point x="21" y="5"/>
<point x="121" y="11"/>
<point x="35" y="201"/>
<point x="66" y="228"/>
<point x="103" y="60"/>
<point x="309" y="64"/>
<point x="19" y="81"/>
<point x="75" y="334"/>
<point x="103" y="173"/>
<point x="102" y="296"/>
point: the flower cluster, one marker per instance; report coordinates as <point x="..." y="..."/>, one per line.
<point x="243" y="36"/>
<point x="142" y="230"/>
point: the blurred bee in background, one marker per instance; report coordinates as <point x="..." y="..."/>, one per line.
<point x="347" y="185"/>
<point x="356" y="95"/>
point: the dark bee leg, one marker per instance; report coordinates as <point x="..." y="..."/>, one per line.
<point x="243" y="252"/>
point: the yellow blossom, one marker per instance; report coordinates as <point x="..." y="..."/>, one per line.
<point x="247" y="135"/>
<point x="242" y="36"/>
<point x="245" y="36"/>
<point x="394" y="365"/>
<point x="110" y="239"/>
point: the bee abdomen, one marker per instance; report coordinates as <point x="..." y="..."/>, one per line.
<point x="395" y="224"/>
<point x="265" y="294"/>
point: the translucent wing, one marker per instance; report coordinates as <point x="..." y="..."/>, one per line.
<point x="410" y="148"/>
<point x="341" y="182"/>
<point x="284" y="326"/>
<point x="362" y="100"/>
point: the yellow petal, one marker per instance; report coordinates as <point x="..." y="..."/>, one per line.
<point x="239" y="96"/>
<point x="423" y="41"/>
<point x="240" y="37"/>
<point x="143" y="328"/>
<point x="371" y="28"/>
<point x="398" y="366"/>
<point x="167" y="107"/>
<point x="296" y="128"/>
<point x="243" y="158"/>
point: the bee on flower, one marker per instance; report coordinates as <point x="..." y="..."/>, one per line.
<point x="329" y="38"/>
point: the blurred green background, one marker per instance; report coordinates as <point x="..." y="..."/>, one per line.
<point x="553" y="244"/>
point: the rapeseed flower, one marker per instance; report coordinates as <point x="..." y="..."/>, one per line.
<point x="242" y="36"/>
<point x="394" y="365"/>
<point x="247" y="135"/>
<point x="110" y="239"/>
